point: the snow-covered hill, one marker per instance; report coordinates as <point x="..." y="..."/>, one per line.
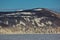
<point x="37" y="17"/>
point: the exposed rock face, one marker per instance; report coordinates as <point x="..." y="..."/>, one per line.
<point x="38" y="17"/>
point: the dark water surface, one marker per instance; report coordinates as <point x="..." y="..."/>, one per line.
<point x="30" y="37"/>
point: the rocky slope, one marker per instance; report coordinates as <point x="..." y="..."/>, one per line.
<point x="37" y="19"/>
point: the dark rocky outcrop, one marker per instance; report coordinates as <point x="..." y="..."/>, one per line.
<point x="37" y="17"/>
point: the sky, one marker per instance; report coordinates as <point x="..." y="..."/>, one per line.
<point x="28" y="4"/>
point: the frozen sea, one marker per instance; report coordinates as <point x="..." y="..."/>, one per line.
<point x="29" y="36"/>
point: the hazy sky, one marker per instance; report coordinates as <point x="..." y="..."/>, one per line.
<point x="27" y="4"/>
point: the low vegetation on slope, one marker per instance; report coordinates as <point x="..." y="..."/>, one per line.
<point x="30" y="30"/>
